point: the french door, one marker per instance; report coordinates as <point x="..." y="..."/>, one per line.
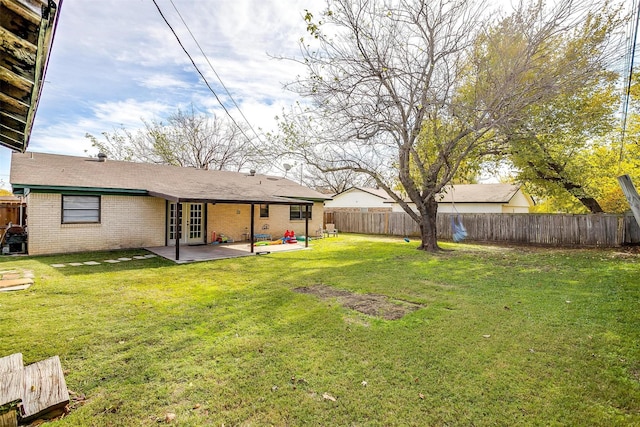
<point x="192" y="223"/>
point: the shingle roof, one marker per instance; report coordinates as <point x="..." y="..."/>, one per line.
<point x="461" y="193"/>
<point x="378" y="192"/>
<point x="479" y="193"/>
<point x="40" y="170"/>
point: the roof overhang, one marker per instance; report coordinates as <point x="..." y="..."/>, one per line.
<point x="26" y="189"/>
<point x="20" y="189"/>
<point x="27" y="29"/>
<point x="275" y="200"/>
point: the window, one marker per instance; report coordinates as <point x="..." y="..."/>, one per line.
<point x="80" y="209"/>
<point x="264" y="211"/>
<point x="298" y="211"/>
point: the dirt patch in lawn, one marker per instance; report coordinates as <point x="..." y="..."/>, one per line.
<point x="369" y="304"/>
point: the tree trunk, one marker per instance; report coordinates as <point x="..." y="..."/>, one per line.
<point x="587" y="201"/>
<point x="428" y="228"/>
<point x="591" y="204"/>
<point x="573" y="188"/>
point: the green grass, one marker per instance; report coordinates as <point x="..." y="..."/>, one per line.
<point x="229" y="342"/>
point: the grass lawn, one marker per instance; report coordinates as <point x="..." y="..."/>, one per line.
<point x="505" y="336"/>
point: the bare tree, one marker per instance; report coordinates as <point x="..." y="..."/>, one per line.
<point x="407" y="91"/>
<point x="186" y="139"/>
<point x="334" y="182"/>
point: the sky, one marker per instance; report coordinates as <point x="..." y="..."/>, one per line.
<point x="116" y="62"/>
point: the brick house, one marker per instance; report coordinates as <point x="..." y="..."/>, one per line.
<point x="79" y="204"/>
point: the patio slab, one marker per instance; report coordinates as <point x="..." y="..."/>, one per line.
<point x="15" y="280"/>
<point x="224" y="251"/>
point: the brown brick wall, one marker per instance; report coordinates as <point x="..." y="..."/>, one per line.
<point x="234" y="220"/>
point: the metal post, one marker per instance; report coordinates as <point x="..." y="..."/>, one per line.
<point x="306" y="226"/>
<point x="253" y="208"/>
<point x="178" y="229"/>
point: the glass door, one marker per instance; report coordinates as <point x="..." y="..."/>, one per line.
<point x="192" y="223"/>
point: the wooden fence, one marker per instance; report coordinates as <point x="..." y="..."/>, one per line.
<point x="602" y="230"/>
<point x="12" y="211"/>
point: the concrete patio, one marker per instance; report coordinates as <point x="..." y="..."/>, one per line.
<point x="222" y="251"/>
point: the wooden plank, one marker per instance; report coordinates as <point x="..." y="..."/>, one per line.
<point x="15" y="80"/>
<point x="15" y="106"/>
<point x="26" y="10"/>
<point x="45" y="390"/>
<point x="20" y="49"/>
<point x="11" y="363"/>
<point x="11" y="386"/>
<point x="15" y="288"/>
<point x="631" y="194"/>
<point x="15" y="282"/>
<point x="11" y="380"/>
<point x="9" y="419"/>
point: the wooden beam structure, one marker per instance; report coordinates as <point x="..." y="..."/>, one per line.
<point x="44" y="390"/>
<point x="27" y="28"/>
<point x="11" y="384"/>
<point x="32" y="391"/>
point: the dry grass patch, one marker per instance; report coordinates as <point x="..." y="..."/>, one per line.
<point x="370" y="304"/>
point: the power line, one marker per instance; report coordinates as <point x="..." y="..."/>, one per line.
<point x="207" y="83"/>
<point x="629" y="77"/>
<point x="214" y="71"/>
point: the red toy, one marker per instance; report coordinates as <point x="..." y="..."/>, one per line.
<point x="289" y="237"/>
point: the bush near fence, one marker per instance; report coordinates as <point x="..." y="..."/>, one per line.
<point x="603" y="230"/>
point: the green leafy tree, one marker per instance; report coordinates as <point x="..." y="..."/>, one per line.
<point x="408" y="91"/>
<point x="548" y="145"/>
<point x="550" y="150"/>
<point x="591" y="162"/>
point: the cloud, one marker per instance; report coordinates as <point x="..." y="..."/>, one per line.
<point x="108" y="73"/>
<point x="68" y="137"/>
<point x="128" y="112"/>
<point x="163" y="81"/>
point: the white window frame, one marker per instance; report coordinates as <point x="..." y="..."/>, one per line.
<point x="81" y="209"/>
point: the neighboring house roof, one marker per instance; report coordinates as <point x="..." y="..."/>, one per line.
<point x="378" y="192"/>
<point x="460" y="193"/>
<point x="27" y="28"/>
<point x="51" y="172"/>
<point x="479" y="193"/>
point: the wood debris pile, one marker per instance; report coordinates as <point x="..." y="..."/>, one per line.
<point x="31" y="392"/>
